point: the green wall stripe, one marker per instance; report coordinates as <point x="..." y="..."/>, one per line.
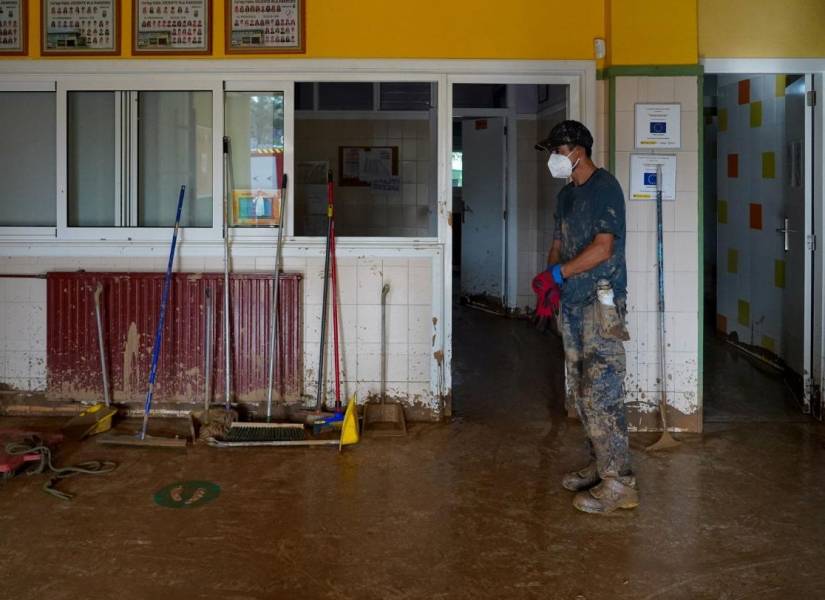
<point x="654" y="70"/>
<point x="611" y="124"/>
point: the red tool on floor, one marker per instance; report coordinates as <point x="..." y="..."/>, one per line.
<point x="11" y="463"/>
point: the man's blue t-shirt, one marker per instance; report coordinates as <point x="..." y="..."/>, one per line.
<point x="582" y="212"/>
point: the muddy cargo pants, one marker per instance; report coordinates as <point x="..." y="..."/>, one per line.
<point x="595" y="365"/>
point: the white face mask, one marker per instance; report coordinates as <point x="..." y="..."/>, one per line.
<point x="560" y="166"/>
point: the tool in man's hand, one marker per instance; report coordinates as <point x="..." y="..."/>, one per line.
<point x="548" y="298"/>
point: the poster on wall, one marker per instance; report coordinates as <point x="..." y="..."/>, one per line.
<point x="265" y="26"/>
<point x="643" y="176"/>
<point x="172" y="27"/>
<point x="658" y="126"/>
<point x="80" y="27"/>
<point x="369" y="166"/>
<point x="13" y="27"/>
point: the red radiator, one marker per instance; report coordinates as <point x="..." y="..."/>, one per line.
<point x="130" y="303"/>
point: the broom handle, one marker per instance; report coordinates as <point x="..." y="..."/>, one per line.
<point x="159" y="331"/>
<point x="207" y="350"/>
<point x="319" y="398"/>
<point x="101" y="345"/>
<point x="661" y="276"/>
<point x="227" y="161"/>
<point x="274" y="331"/>
<point x="334" y="276"/>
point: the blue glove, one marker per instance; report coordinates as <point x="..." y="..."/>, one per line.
<point x="555" y="271"/>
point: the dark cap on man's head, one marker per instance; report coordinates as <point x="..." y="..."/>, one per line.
<point x="567" y="133"/>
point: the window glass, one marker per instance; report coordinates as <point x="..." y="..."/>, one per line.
<point x="407" y="95"/>
<point x="129" y="152"/>
<point x="384" y="169"/>
<point x="304" y="96"/>
<point x="345" y="96"/>
<point x="175" y="148"/>
<point x="255" y="127"/>
<point x="91" y="159"/>
<point x="27" y="159"/>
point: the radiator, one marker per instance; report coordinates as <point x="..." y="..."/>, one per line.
<point x="130" y="305"/>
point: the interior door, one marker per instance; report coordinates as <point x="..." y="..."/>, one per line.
<point x="796" y="232"/>
<point x="483" y="231"/>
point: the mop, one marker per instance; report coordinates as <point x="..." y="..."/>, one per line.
<point x="665" y="441"/>
<point x="142" y="439"/>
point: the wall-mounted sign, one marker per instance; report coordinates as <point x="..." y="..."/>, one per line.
<point x="172" y="27"/>
<point x="265" y="26"/>
<point x="13" y="27"/>
<point x="80" y="27"/>
<point x="643" y="176"/>
<point x="658" y="126"/>
<point x="362" y="166"/>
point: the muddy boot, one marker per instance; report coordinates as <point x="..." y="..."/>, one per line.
<point x="582" y="479"/>
<point x="610" y="494"/>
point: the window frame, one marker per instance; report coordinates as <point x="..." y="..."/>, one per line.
<point x="439" y="98"/>
<point x="272" y="85"/>
<point x="134" y="83"/>
<point x="154" y="74"/>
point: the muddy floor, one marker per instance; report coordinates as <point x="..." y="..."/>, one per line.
<point x="468" y="509"/>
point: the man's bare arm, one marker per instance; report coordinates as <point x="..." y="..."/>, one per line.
<point x="554" y="255"/>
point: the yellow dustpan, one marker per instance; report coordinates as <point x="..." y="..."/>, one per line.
<point x="349" y="426"/>
<point x="95" y="419"/>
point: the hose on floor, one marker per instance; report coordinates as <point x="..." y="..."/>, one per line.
<point x="36" y="446"/>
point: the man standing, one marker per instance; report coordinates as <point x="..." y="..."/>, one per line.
<point x="587" y="260"/>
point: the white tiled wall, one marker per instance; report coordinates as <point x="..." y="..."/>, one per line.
<point x="23" y="333"/>
<point x="681" y="253"/>
<point x="410" y="324"/>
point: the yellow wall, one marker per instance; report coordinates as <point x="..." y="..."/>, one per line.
<point x="518" y="29"/>
<point x="761" y="28"/>
<point x="652" y="32"/>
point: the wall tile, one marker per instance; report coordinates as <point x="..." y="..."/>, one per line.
<point x="627" y="93"/>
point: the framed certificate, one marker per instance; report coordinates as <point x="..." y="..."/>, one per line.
<point x="14" y="26"/>
<point x="265" y="26"/>
<point x="80" y="27"/>
<point x="172" y="27"/>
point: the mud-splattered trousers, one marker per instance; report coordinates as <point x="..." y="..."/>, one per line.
<point x="595" y="365"/>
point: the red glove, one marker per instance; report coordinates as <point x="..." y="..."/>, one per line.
<point x="548" y="298"/>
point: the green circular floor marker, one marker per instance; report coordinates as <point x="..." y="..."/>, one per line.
<point x="187" y="494"/>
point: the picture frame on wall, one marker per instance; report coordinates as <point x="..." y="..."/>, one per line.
<point x="80" y="27"/>
<point x="256" y="208"/>
<point x="167" y="27"/>
<point x="14" y="27"/>
<point x="265" y="26"/>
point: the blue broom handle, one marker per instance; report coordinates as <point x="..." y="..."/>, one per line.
<point x="159" y="331"/>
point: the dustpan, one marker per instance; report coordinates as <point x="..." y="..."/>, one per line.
<point x="98" y="417"/>
<point x="95" y="419"/>
<point x="384" y="418"/>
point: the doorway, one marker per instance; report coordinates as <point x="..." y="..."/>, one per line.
<point x="503" y="198"/>
<point x="759" y="254"/>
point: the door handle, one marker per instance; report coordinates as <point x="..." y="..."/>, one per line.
<point x="464" y="210"/>
<point x="786" y="230"/>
